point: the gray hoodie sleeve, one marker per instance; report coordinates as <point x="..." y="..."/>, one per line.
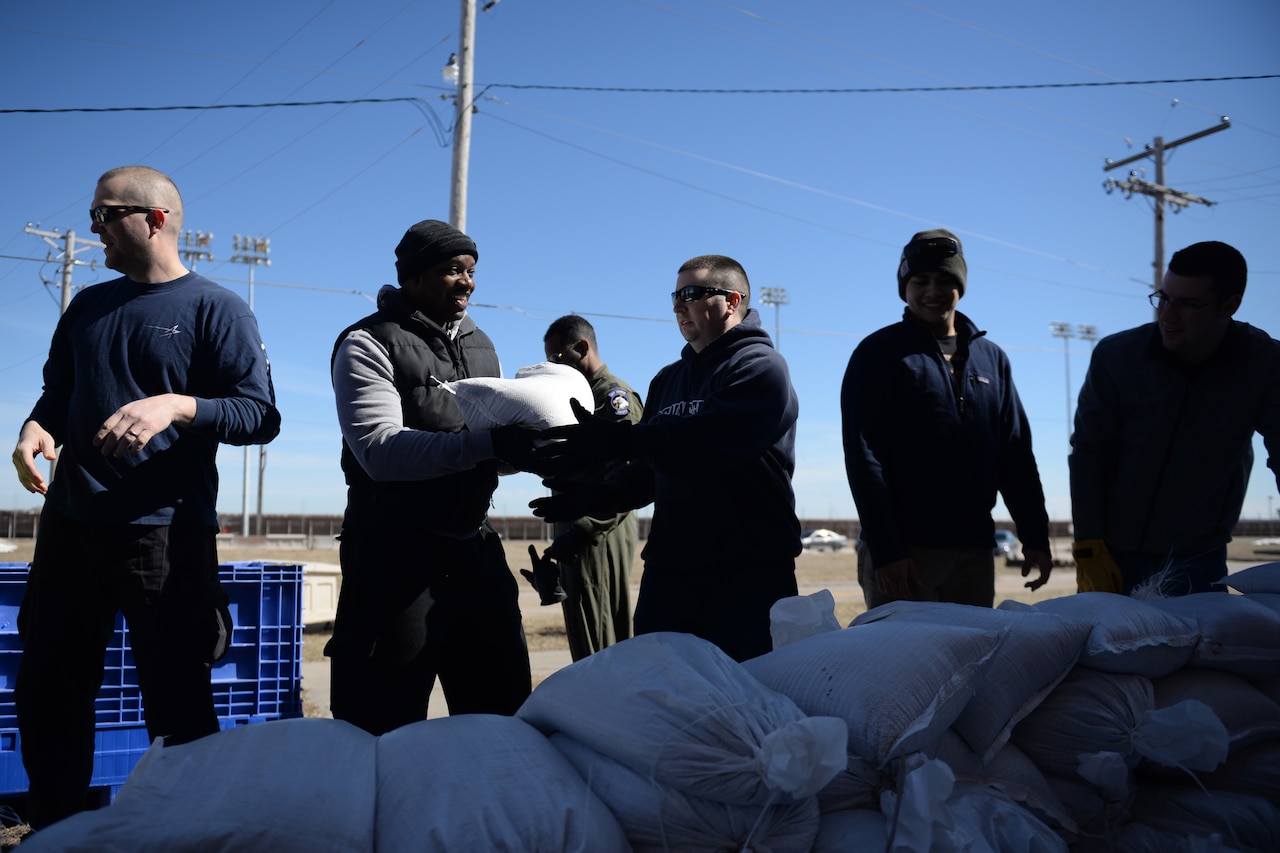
<point x="373" y="425"/>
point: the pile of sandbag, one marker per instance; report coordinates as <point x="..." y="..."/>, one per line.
<point x="1087" y="722"/>
<point x="659" y="743"/>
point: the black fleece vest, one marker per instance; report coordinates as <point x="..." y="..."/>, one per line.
<point x="419" y="350"/>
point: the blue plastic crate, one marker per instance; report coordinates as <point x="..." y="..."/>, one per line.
<point x="116" y="750"/>
<point x="260" y="678"/>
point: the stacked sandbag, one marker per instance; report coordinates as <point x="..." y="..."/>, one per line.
<point x="680" y="741"/>
<point x="485" y="782"/>
<point x="1168" y="729"/>
<point x="286" y="785"/>
<point x="897" y="685"/>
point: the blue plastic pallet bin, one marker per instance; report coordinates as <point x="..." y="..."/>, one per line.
<point x="260" y="679"/>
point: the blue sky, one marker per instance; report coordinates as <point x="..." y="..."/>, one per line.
<point x="588" y="200"/>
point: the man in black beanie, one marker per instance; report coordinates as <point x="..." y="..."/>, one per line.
<point x="933" y="428"/>
<point x="426" y="591"/>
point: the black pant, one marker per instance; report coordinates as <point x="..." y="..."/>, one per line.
<point x="165" y="580"/>
<point x="414" y="607"/>
<point x="728" y="608"/>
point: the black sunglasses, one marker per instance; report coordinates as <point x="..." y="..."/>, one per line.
<point x="694" y="292"/>
<point x="112" y="212"/>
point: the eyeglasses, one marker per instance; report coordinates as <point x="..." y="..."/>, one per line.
<point x="112" y="212"/>
<point x="1160" y="299"/>
<point x="923" y="254"/>
<point x="694" y="292"/>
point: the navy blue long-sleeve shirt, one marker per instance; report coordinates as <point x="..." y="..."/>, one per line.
<point x="121" y="341"/>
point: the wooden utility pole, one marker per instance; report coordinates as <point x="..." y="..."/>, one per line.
<point x="72" y="245"/>
<point x="1158" y="190"/>
<point x="462" y="117"/>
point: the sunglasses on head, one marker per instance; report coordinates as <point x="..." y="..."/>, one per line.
<point x="933" y="247"/>
<point x="112" y="212"/>
<point x="694" y="292"/>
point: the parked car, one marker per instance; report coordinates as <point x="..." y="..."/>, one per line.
<point x="823" y="539"/>
<point x="1008" y="546"/>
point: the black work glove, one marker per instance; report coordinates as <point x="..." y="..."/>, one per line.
<point x="592" y="441"/>
<point x="513" y="444"/>
<point x="571" y="502"/>
<point x="545" y="578"/>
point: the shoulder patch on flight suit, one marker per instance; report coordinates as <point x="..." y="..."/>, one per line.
<point x="620" y="402"/>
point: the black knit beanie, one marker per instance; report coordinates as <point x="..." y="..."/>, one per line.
<point x="929" y="251"/>
<point x="429" y="242"/>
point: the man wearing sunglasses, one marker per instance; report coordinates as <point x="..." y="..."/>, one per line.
<point x="714" y="454"/>
<point x="1163" y="441"/>
<point x="147" y="374"/>
<point x="933" y="429"/>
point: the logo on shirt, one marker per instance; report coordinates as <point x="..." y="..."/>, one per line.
<point x="166" y="331"/>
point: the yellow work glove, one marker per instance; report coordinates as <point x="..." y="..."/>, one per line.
<point x="1096" y="569"/>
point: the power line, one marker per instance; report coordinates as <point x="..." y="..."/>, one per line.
<point x="652" y="90"/>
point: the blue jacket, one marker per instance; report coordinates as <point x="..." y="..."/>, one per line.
<point x="1161" y="453"/>
<point x="120" y="341"/>
<point x="926" y="454"/>
<point x="716" y="453"/>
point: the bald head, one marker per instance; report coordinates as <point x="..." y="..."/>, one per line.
<point x="147" y="187"/>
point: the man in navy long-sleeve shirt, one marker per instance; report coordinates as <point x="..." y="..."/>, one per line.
<point x="146" y="375"/>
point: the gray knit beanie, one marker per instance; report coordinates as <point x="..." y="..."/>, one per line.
<point x="937" y="250"/>
<point x="429" y="242"/>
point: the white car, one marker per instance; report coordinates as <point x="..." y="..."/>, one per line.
<point x="823" y="539"/>
<point x="1008" y="546"/>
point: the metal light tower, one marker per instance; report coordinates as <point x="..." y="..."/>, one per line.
<point x="195" y="248"/>
<point x="252" y="251"/>
<point x="775" y="296"/>
<point x="1064" y="331"/>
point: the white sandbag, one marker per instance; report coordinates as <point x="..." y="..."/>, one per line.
<point x="898" y="685"/>
<point x="987" y="821"/>
<point x="857" y="786"/>
<point x="1252" y="770"/>
<point x="799" y="616"/>
<point x="538" y="396"/>
<point x="1242" y="821"/>
<point x="1248" y="714"/>
<point x="1263" y="578"/>
<point x="485" y="782"/>
<point x="1269" y="600"/>
<point x="1236" y="634"/>
<point x="657" y="817"/>
<point x="1090" y="712"/>
<point x="1138" y="838"/>
<point x="849" y="830"/>
<point x="1011" y="773"/>
<point x="1128" y="636"/>
<point x="1093" y="813"/>
<point x="1038" y="651"/>
<point x="676" y="708"/>
<point x="286" y="785"/>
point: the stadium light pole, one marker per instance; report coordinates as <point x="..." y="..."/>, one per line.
<point x="1064" y="331"/>
<point x="775" y="296"/>
<point x="251" y="251"/>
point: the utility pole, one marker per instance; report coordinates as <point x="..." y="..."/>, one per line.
<point x="462" y="117"/>
<point x="251" y="251"/>
<point x="1158" y="190"/>
<point x="775" y="296"/>
<point x="1063" y="330"/>
<point x="68" y="251"/>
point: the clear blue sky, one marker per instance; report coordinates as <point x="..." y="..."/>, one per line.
<point x="588" y="201"/>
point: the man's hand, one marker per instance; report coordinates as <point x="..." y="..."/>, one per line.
<point x="1042" y="560"/>
<point x="34" y="440"/>
<point x="513" y="444"/>
<point x="134" y="424"/>
<point x="568" y="544"/>
<point x="899" y="579"/>
<point x="592" y="441"/>
<point x="1096" y="569"/>
<point x="571" y="502"/>
<point x="545" y="578"/>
